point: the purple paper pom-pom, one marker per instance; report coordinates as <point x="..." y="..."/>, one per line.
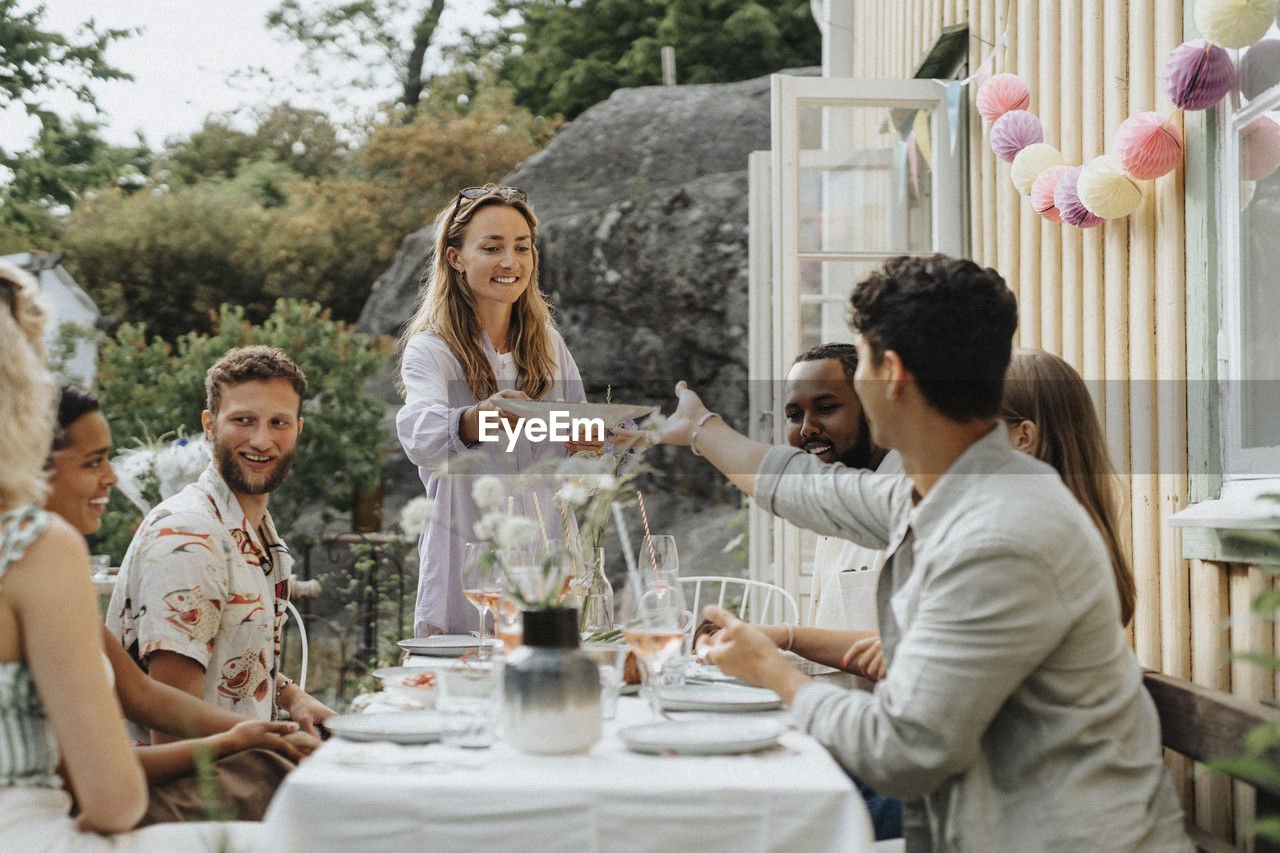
<point x="1070" y="208"/>
<point x="1197" y="75"/>
<point x="1014" y="131"/>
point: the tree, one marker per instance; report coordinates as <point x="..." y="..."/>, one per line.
<point x="35" y="62"/>
<point x="562" y="57"/>
<point x="365" y="32"/>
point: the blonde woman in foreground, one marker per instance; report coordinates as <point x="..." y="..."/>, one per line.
<point x="58" y="714"/>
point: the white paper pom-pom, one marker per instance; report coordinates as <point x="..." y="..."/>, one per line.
<point x="1234" y="23"/>
<point x="1105" y="190"/>
<point x="1030" y="162"/>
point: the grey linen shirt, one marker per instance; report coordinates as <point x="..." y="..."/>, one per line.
<point x="1013" y="716"/>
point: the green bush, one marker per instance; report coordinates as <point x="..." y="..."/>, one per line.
<point x="150" y="387"/>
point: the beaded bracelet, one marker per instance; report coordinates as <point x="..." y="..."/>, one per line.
<point x="693" y="434"/>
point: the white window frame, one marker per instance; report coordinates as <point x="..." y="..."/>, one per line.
<point x="1239" y="484"/>
<point x="777" y="548"/>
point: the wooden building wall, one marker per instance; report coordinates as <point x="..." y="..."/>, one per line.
<point x="1110" y="300"/>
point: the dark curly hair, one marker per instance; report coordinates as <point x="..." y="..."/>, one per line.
<point x="950" y="321"/>
<point x="846" y="354"/>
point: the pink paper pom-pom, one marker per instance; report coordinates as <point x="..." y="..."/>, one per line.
<point x="1149" y="145"/>
<point x="1043" y="191"/>
<point x="1260" y="68"/>
<point x="1014" y="131"/>
<point x="1259" y="149"/>
<point x="1072" y="211"/>
<point x="1197" y="74"/>
<point x="1002" y="93"/>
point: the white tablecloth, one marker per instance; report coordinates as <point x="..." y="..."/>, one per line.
<point x="382" y="797"/>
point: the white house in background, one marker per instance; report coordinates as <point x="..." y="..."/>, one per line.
<point x="68" y="303"/>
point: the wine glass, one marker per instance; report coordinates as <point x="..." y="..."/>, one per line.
<point x="658" y="556"/>
<point x="479" y="585"/>
<point x="653" y="619"/>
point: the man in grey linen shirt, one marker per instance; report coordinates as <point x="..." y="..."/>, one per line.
<point x="1013" y="715"/>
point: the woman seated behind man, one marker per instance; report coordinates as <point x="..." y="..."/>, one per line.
<point x="251" y="757"/>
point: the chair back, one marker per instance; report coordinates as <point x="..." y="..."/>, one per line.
<point x="755" y="601"/>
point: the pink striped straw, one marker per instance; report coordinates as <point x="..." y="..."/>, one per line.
<point x="564" y="518"/>
<point x="648" y="537"/>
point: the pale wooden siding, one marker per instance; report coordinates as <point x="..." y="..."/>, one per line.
<point x="1110" y="300"/>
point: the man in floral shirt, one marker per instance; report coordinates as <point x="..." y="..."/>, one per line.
<point x="201" y="596"/>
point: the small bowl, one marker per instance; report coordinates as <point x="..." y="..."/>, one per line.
<point x="416" y="685"/>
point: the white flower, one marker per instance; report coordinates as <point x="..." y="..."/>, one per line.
<point x="416" y="515"/>
<point x="574" y="493"/>
<point x="489" y="493"/>
<point x="515" y="531"/>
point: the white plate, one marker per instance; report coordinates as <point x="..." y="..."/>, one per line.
<point x="397" y="726"/>
<point x="444" y="645"/>
<point x="706" y="736"/>
<point x="718" y="697"/>
<point x="613" y="414"/>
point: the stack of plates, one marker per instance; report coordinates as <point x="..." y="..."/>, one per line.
<point x="705" y="736"/>
<point x="445" y="645"/>
<point x="397" y="726"/>
<point x="723" y="696"/>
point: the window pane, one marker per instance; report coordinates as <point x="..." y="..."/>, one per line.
<point x="1260" y="295"/>
<point x="825" y="287"/>
<point x="865" y="182"/>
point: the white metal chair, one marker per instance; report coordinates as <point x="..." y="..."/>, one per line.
<point x="302" y="635"/>
<point x="755" y="601"/>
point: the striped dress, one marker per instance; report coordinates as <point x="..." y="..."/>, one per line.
<point x="28" y="749"/>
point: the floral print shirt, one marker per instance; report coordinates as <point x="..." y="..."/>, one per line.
<point x="199" y="581"/>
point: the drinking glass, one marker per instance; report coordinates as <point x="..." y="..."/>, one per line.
<point x="508" y="624"/>
<point x="653" y="622"/>
<point x="480" y="586"/>
<point x="658" y="555"/>
<point x="470" y="700"/>
<point x="609" y="659"/>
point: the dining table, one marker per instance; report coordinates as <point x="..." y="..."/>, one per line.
<point x="383" y="796"/>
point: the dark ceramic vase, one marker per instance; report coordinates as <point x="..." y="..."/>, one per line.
<point x="551" y="691"/>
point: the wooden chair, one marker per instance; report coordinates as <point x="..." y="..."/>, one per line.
<point x="1206" y="724"/>
<point x="754" y="601"/>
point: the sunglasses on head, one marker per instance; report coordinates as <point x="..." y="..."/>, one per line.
<point x="473" y="193"/>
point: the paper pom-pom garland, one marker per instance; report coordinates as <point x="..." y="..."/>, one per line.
<point x="1014" y="131"/>
<point x="1042" y="192"/>
<point x="1002" y="93"/>
<point x="1260" y="68"/>
<point x="1259" y="149"/>
<point x="1149" y="145"/>
<point x="1197" y="74"/>
<point x="1065" y="198"/>
<point x="1234" y="23"/>
<point x="1030" y="162"/>
<point x="1106" y="190"/>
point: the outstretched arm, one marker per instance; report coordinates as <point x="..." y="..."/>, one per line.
<point x="735" y="455"/>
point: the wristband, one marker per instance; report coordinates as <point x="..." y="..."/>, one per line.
<point x="791" y="636"/>
<point x="693" y="434"/>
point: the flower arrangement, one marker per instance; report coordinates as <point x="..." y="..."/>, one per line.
<point x="159" y="468"/>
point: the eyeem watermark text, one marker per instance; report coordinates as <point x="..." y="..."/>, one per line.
<point x="559" y="426"/>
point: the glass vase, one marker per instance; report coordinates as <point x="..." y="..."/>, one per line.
<point x="595" y="612"/>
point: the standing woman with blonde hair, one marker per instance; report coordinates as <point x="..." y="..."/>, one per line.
<point x="482" y="332"/>
<point x="1049" y="415"/>
<point x="60" y="723"/>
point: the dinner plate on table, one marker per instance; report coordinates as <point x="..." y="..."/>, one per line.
<point x="705" y="736"/>
<point x="445" y="645"/>
<point x="405" y="727"/>
<point x="718" y="697"/>
<point x="612" y="414"/>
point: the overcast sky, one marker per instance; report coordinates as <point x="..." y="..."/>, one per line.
<point x="185" y="61"/>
